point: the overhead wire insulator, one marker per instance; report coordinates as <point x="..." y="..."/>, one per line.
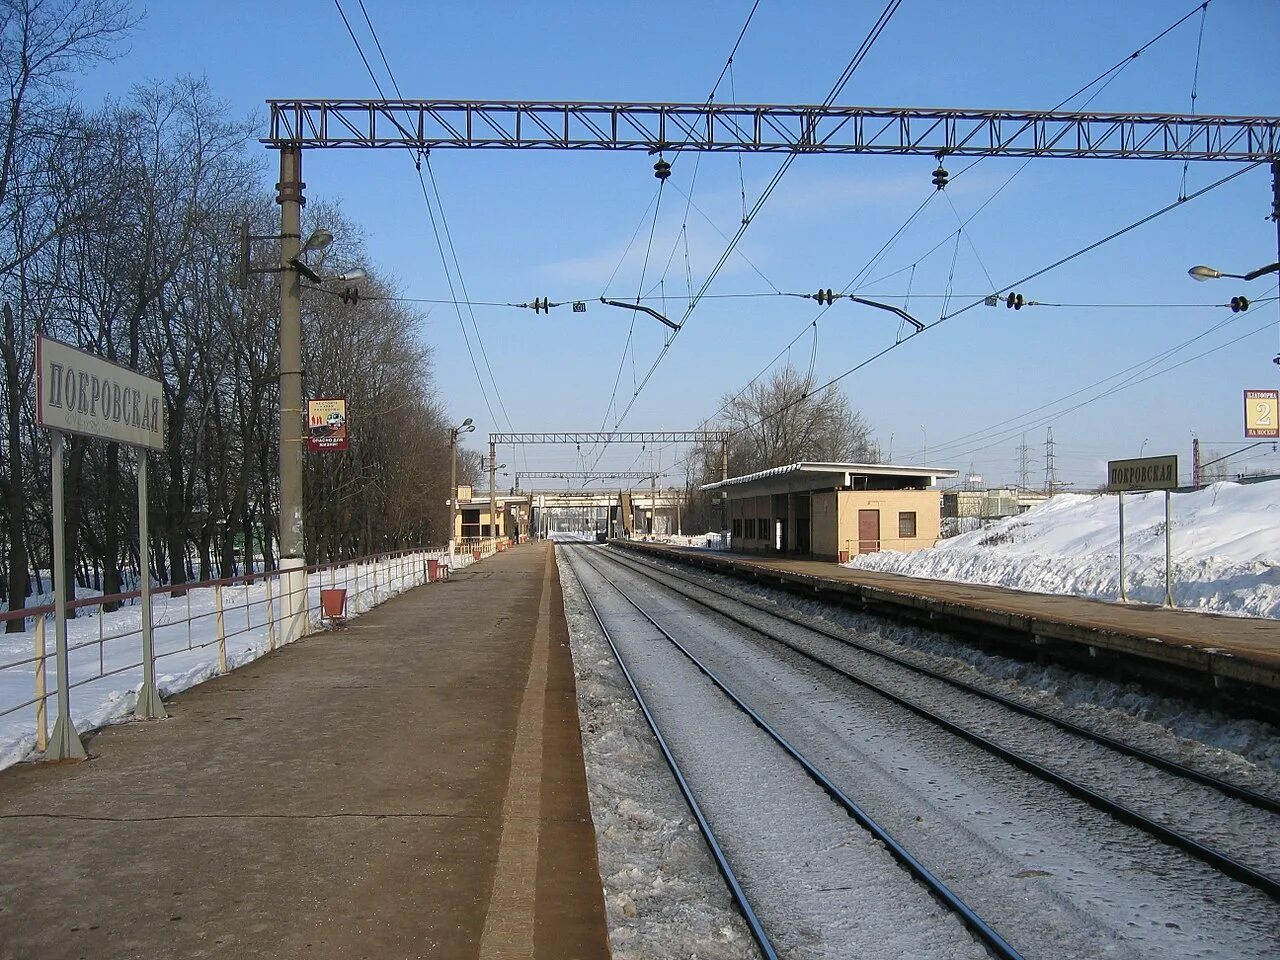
<point x="940" y="177"/>
<point x="1239" y="304"/>
<point x="1014" y="301"/>
<point x="662" y="169"/>
<point x="826" y="296"/>
<point x="351" y="295"/>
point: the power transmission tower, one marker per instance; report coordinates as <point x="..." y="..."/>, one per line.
<point x="1024" y="464"/>
<point x="1050" y="475"/>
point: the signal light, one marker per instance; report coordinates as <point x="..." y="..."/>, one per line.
<point x="662" y="169"/>
<point x="1014" y="301"/>
<point x="1239" y="304"/>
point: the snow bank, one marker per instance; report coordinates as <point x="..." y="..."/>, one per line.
<point x="1226" y="550"/>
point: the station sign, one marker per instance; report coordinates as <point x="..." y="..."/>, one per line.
<point x="327" y="424"/>
<point x="1143" y="473"/>
<point x="78" y="392"/>
<point x="1262" y="414"/>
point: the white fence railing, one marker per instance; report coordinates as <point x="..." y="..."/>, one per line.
<point x="200" y="630"/>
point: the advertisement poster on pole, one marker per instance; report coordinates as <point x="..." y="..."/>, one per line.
<point x="327" y="424"/>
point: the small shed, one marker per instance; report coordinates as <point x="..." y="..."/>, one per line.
<point x="831" y="511"/>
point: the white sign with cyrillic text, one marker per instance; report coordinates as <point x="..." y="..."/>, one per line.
<point x="77" y="392"/>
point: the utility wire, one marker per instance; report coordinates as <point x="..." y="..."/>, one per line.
<point x="1057" y="263"/>
<point x="856" y="61"/>
<point x="436" y="228"/>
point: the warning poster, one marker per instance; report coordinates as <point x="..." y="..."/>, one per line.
<point x="327" y="423"/>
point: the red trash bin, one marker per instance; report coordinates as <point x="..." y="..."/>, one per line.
<point x="333" y="604"/>
<point x="475" y="554"/>
<point x="433" y="571"/>
<point x="844" y="556"/>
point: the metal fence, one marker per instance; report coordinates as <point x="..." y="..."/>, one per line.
<point x="200" y="629"/>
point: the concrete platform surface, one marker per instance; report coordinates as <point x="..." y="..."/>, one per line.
<point x="410" y="785"/>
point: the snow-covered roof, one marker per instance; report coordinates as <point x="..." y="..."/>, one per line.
<point x="835" y="474"/>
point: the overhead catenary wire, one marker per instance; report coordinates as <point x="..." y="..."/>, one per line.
<point x="850" y="68"/>
<point x="1057" y="263"/>
<point x="436" y="228"/>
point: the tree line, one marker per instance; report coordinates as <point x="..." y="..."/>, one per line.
<point x="119" y="235"/>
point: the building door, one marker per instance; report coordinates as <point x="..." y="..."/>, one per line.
<point x="780" y="536"/>
<point x="868" y="531"/>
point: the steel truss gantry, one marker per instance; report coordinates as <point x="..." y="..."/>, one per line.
<point x="762" y="128"/>
<point x="585" y="475"/>
<point x="640" y="436"/>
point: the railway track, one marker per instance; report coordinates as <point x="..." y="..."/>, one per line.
<point x="1229" y="865"/>
<point x="1236" y="791"/>
<point x="982" y="931"/>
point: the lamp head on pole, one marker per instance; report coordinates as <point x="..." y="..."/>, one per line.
<point x="319" y="239"/>
<point x="1201" y="272"/>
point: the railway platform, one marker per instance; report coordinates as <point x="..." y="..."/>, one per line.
<point x="410" y="785"/>
<point x="1234" y="660"/>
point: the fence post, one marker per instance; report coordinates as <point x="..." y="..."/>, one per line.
<point x="271" y="623"/>
<point x="222" y="631"/>
<point x="42" y="696"/>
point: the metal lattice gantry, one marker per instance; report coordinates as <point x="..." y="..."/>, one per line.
<point x="759" y="128"/>
<point x="586" y="475"/>
<point x="639" y="436"/>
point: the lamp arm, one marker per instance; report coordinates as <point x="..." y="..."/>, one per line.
<point x="1262" y="272"/>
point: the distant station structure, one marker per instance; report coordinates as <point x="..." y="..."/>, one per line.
<point x="832" y="511"/>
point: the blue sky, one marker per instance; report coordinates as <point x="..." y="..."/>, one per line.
<point x="556" y="224"/>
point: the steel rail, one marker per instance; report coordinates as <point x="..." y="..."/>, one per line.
<point x="722" y="862"/>
<point x="987" y="935"/>
<point x="1227" y="788"/>
<point x="1124" y="814"/>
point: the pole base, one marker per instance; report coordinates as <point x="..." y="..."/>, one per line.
<point x="65" y="743"/>
<point x="149" y="705"/>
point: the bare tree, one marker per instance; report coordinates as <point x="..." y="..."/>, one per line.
<point x="774" y="422"/>
<point x="41" y="43"/>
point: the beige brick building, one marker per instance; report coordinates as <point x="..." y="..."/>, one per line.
<point x="831" y="511"/>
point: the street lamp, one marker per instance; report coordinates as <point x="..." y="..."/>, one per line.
<point x="1143" y="446"/>
<point x="466" y="426"/>
<point x="1201" y="272"/>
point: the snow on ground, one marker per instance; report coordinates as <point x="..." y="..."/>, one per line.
<point x="185" y="635"/>
<point x="663" y="894"/>
<point x="1226" y="549"/>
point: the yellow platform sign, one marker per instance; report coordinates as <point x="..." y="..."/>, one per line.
<point x="1262" y="414"/>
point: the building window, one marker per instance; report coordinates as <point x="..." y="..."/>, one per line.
<point x="751" y="529"/>
<point x="907" y="525"/>
<point x="737" y="527"/>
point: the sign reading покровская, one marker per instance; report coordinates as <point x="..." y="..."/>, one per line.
<point x="77" y="392"/>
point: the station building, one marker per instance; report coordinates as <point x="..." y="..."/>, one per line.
<point x="832" y="511"/>
<point x="473" y="516"/>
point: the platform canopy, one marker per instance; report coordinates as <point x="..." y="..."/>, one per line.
<point x="809" y="477"/>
